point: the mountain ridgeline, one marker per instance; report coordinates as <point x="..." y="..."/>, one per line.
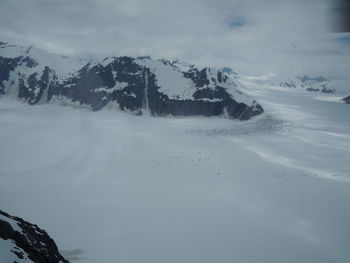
<point x="137" y="85"/>
<point x="318" y="84"/>
<point x="24" y="242"/>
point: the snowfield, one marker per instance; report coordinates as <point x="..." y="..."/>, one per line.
<point x="112" y="187"/>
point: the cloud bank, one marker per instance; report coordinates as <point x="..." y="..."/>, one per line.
<point x="253" y="36"/>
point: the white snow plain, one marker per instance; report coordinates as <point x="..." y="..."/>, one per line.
<point x="122" y="188"/>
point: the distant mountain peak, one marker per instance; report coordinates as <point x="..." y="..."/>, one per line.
<point x="228" y="70"/>
<point x="318" y="84"/>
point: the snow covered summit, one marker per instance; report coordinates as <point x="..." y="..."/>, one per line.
<point x="138" y="85"/>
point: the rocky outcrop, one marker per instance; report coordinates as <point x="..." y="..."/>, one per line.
<point x="160" y="87"/>
<point x="21" y="241"/>
<point x="316" y="84"/>
<point x="346" y="99"/>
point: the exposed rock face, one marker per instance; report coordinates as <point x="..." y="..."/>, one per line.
<point x="346" y="99"/>
<point x="317" y="84"/>
<point x="140" y="84"/>
<point x="21" y="241"/>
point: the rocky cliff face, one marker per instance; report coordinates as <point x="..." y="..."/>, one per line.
<point x="138" y="85"/>
<point x="23" y="242"/>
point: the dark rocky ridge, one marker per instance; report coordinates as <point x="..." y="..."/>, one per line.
<point x="346" y="99"/>
<point x="31" y="242"/>
<point x="127" y="83"/>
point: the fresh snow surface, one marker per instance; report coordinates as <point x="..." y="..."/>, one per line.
<point x="124" y="188"/>
<point x="170" y="79"/>
<point x="118" y="86"/>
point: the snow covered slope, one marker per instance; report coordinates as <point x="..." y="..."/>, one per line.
<point x="23" y="242"/>
<point x="114" y="187"/>
<point x="140" y="84"/>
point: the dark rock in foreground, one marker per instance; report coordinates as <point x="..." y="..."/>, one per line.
<point x="346" y="99"/>
<point x="21" y="241"/>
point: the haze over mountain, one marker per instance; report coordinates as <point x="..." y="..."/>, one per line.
<point x="289" y="38"/>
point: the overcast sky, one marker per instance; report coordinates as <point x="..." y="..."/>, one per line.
<point x="251" y="36"/>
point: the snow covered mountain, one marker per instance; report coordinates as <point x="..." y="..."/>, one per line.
<point x="138" y="85"/>
<point x="23" y="242"/>
<point x="318" y="84"/>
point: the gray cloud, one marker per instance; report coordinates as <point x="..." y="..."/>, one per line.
<point x="284" y="37"/>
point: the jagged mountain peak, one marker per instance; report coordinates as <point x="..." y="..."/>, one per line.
<point x="136" y="84"/>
